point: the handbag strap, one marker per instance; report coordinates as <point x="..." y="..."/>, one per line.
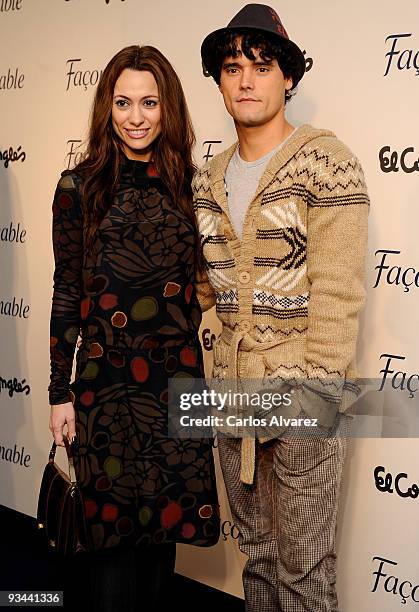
<point x="71" y="470"/>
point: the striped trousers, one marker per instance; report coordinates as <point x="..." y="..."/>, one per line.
<point x="287" y="519"/>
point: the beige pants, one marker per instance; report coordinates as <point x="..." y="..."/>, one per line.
<point x="287" y="520"/>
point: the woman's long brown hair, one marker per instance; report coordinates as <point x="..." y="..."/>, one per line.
<point x="172" y="151"/>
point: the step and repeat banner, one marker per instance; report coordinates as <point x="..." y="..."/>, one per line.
<point x="362" y="81"/>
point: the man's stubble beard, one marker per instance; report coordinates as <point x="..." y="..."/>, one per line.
<point x="249" y="122"/>
<point x="255" y="120"/>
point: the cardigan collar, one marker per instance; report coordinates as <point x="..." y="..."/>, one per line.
<point x="301" y="136"/>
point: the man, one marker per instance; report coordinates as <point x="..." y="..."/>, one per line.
<point x="283" y="218"/>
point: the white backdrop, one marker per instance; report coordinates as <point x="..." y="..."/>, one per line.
<point x="363" y="85"/>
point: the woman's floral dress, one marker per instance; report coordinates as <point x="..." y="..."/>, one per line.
<point x="133" y="303"/>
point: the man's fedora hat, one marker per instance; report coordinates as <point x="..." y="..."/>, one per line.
<point x="258" y="17"/>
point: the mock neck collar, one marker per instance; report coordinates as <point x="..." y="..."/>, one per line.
<point x="131" y="162"/>
<point x="137" y="170"/>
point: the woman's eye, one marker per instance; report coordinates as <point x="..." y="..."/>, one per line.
<point x="150" y="102"/>
<point x="121" y="103"/>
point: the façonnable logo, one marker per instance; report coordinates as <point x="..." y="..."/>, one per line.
<point x="78" y="76"/>
<point x="394" y="377"/>
<point x="390" y="272"/>
<point x="7" y="6"/>
<point x="74" y="155"/>
<point x="210" y="149"/>
<point x="14" y="455"/>
<point x="229" y="530"/>
<point x="387" y="582"/>
<point x="14" y="308"/>
<point x="401" y="56"/>
<point x="12" y="79"/>
<point x="12" y="233"/>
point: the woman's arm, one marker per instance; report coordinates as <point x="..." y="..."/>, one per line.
<point x="67" y="235"/>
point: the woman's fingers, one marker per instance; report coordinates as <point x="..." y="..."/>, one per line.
<point x="62" y="414"/>
<point x="71" y="427"/>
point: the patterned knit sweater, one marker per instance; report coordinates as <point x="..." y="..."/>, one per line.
<point x="290" y="292"/>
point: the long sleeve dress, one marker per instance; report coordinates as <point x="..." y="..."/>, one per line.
<point x="132" y="302"/>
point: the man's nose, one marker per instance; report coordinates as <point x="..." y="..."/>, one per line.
<point x="247" y="79"/>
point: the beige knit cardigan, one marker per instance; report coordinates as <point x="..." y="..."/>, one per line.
<point x="289" y="293"/>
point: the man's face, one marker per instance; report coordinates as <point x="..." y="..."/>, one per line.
<point x="253" y="91"/>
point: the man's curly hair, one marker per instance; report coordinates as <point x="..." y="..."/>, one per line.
<point x="225" y="44"/>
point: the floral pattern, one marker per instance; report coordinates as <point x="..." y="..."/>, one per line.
<point x="133" y="303"/>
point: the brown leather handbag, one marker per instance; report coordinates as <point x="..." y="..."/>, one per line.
<point x="60" y="507"/>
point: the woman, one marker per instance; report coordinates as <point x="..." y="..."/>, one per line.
<point x="124" y="241"/>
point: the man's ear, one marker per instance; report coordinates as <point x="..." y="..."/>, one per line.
<point x="288" y="83"/>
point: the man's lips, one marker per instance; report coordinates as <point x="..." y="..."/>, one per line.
<point x="247" y="100"/>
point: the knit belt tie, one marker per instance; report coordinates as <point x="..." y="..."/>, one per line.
<point x="240" y="340"/>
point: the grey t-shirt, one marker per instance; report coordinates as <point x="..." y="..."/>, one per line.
<point x="242" y="178"/>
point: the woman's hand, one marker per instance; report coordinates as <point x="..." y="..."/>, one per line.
<point x="60" y="415"/>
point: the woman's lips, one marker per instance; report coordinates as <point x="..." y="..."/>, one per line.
<point x="137" y="133"/>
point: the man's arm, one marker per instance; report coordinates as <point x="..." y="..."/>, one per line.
<point x="204" y="291"/>
<point x="337" y="230"/>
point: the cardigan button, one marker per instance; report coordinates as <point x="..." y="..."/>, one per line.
<point x="244" y="277"/>
<point x="244" y="326"/>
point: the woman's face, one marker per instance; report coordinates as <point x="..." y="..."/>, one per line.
<point x="136" y="113"/>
